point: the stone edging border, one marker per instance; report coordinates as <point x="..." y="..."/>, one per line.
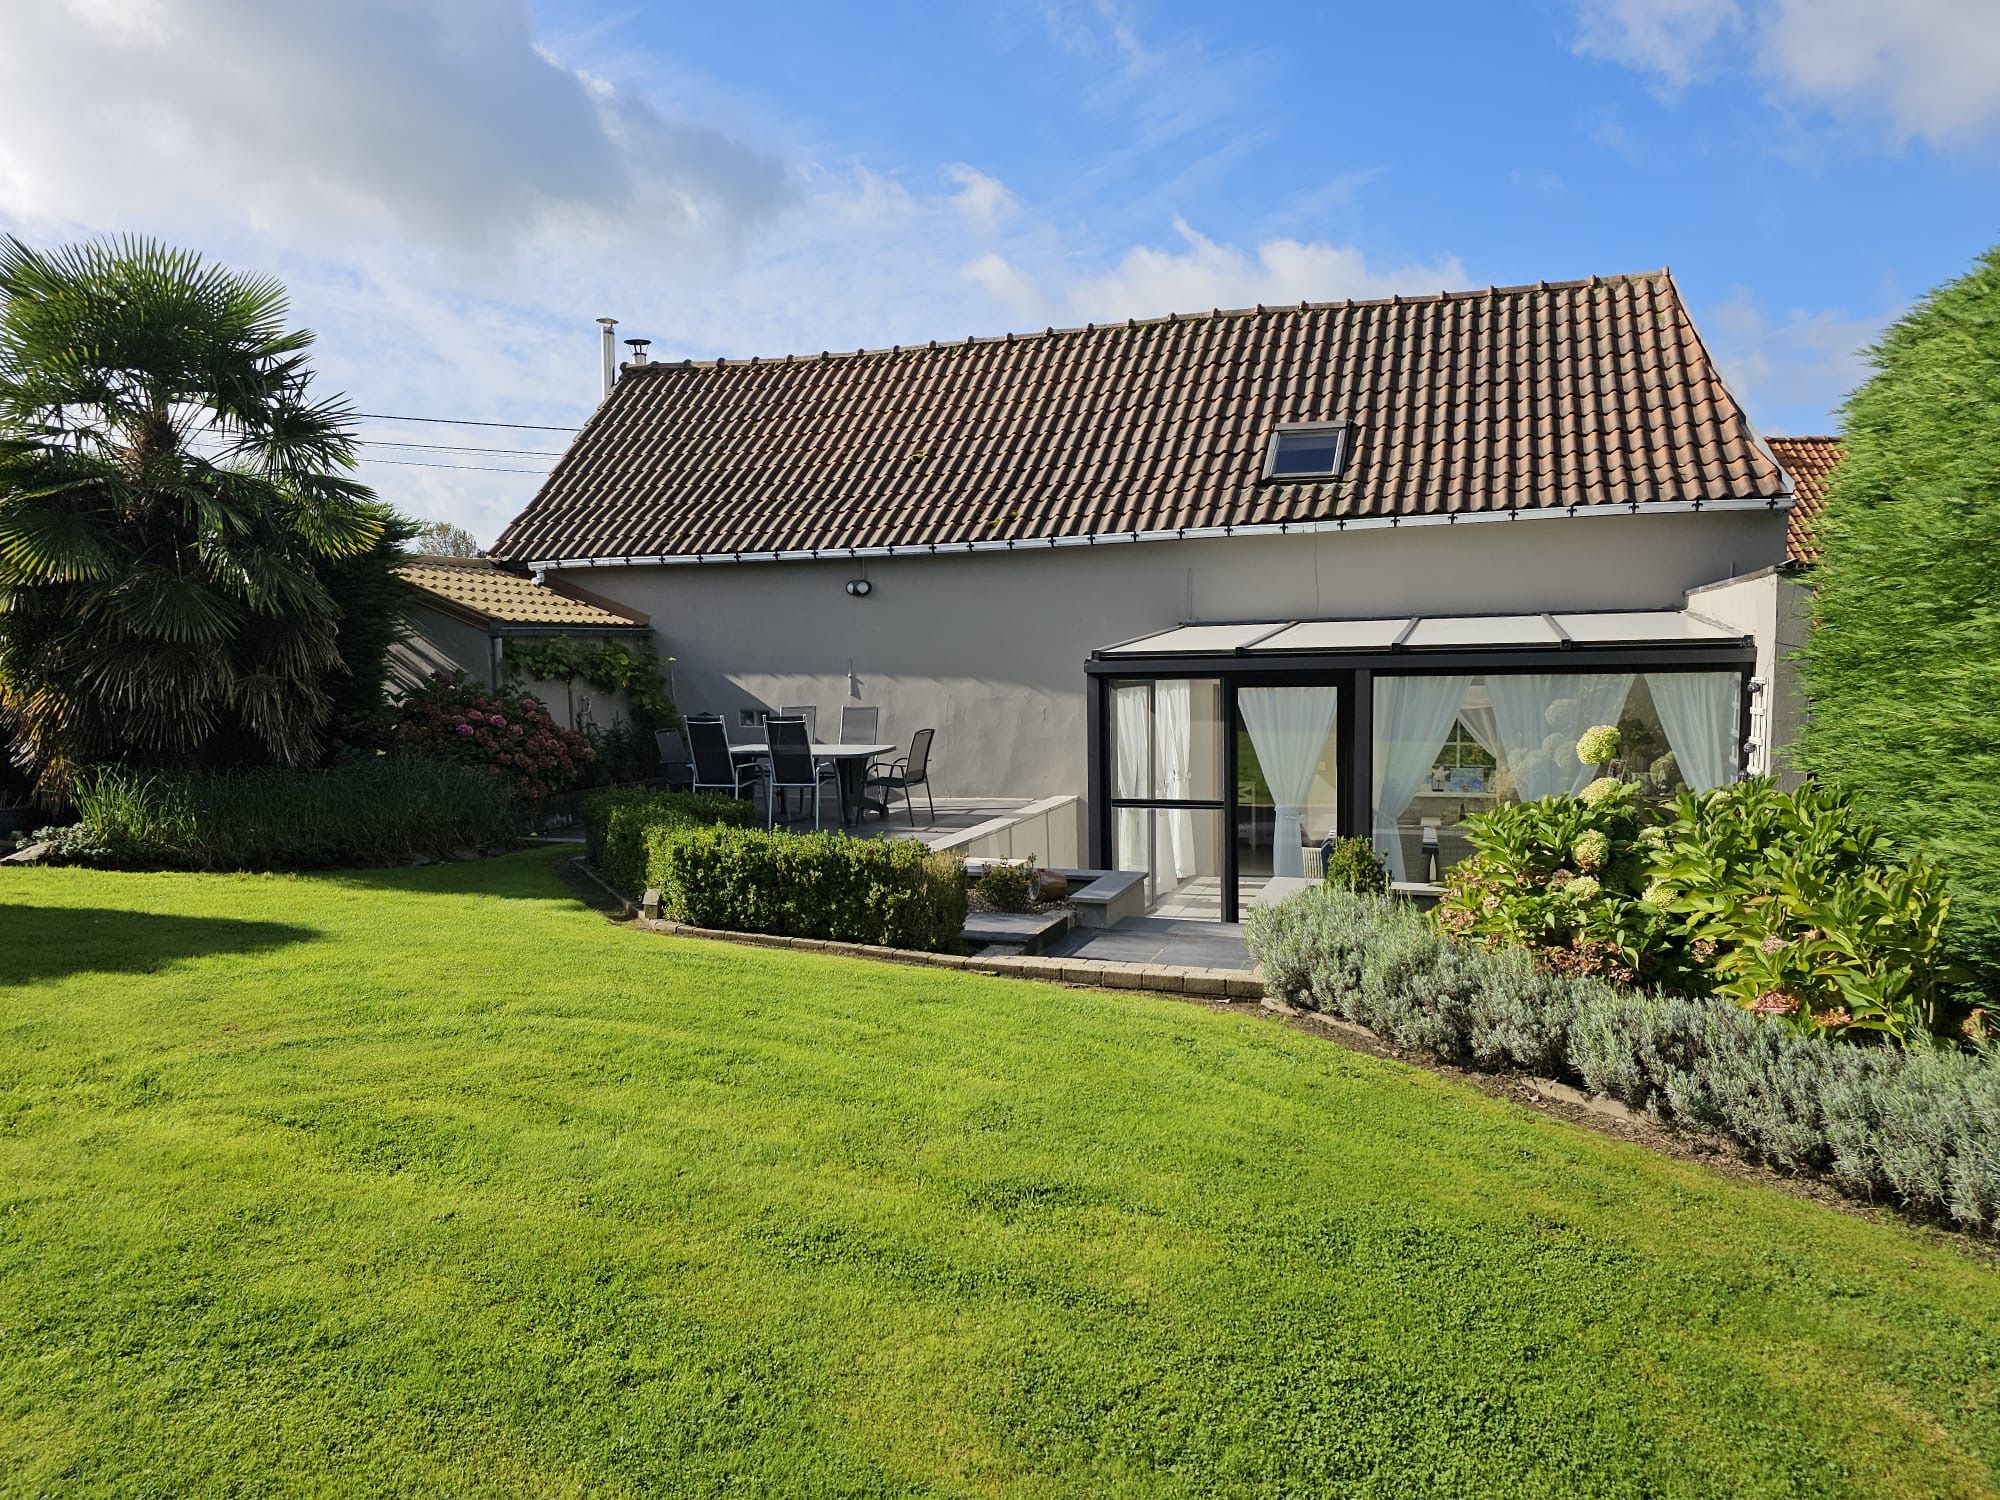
<point x="1161" y="979"/>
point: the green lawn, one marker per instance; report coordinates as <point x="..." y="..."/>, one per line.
<point x="432" y="1182"/>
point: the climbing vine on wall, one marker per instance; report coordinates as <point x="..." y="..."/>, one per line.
<point x="625" y="751"/>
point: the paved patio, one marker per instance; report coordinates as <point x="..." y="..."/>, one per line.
<point x="1157" y="941"/>
<point x="954" y="816"/>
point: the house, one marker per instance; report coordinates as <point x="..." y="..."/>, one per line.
<point x="467" y="611"/>
<point x="1233" y="581"/>
<point x="1811" y="462"/>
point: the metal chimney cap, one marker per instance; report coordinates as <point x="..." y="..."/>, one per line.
<point x="638" y="343"/>
<point x="609" y="322"/>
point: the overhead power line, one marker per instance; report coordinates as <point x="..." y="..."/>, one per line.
<point x="456" y="448"/>
<point x="380" y="416"/>
<point x="415" y="463"/>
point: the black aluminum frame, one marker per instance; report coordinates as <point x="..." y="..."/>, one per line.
<point x="1354" y="674"/>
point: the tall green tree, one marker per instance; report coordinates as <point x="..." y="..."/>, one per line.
<point x="1903" y="662"/>
<point x="172" y="498"/>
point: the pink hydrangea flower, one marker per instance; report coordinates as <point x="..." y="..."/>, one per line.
<point x="465" y="729"/>
<point x="1774" y="1003"/>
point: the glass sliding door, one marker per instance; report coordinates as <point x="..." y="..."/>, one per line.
<point x="1167" y="757"/>
<point x="1287" y="782"/>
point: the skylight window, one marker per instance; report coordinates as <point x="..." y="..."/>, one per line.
<point x="1316" y="450"/>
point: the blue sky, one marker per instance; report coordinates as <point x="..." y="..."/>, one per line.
<point x="454" y="189"/>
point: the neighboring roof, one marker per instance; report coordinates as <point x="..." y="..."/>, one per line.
<point x="1416" y="633"/>
<point x="1810" y="461"/>
<point x="1584" y="394"/>
<point x="475" y="587"/>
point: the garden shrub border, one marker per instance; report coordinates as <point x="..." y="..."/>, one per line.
<point x="617" y="822"/>
<point x="714" y="870"/>
<point x="1918" y="1128"/>
<point x="371" y="811"/>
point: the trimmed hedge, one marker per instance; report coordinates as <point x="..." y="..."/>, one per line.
<point x="376" y="811"/>
<point x="616" y="824"/>
<point x="1920" y="1128"/>
<point x="890" y="892"/>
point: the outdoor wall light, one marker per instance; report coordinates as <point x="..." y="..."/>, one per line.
<point x="860" y="588"/>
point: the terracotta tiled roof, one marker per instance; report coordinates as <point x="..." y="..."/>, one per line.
<point x="476" y="587"/>
<point x="1811" y="461"/>
<point x="1589" y="393"/>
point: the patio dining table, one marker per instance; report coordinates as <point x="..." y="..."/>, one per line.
<point x="850" y="761"/>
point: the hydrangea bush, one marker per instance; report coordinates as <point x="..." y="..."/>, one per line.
<point x="511" y="738"/>
<point x="1788" y="904"/>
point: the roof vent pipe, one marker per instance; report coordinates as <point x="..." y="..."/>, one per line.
<point x="610" y="352"/>
<point x="638" y="348"/>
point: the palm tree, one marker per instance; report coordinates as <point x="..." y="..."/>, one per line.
<point x="170" y="496"/>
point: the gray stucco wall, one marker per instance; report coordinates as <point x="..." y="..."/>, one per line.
<point x="439" y="642"/>
<point x="1776" y="608"/>
<point x="988" y="648"/>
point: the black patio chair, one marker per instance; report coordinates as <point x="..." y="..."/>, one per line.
<point x="794" y="769"/>
<point x="806" y="712"/>
<point x="859" y="725"/>
<point x="715" y="769"/>
<point x="913" y="769"/>
<point x="676" y="765"/>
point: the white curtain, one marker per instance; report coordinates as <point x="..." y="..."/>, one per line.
<point x="1541" y="715"/>
<point x="1173" y="731"/>
<point x="1699" y="711"/>
<point x="1413" y="718"/>
<point x="1131" y="703"/>
<point x="1484" y="727"/>
<point x="1289" y="727"/>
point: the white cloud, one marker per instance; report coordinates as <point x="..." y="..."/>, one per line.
<point x="1931" y="67"/>
<point x="1670" y="38"/>
<point x="439" y="120"/>
<point x="1009" y="286"/>
<point x="1790" y="368"/>
<point x="982" y="199"/>
<point x="1203" y="273"/>
<point x="1925" y="69"/>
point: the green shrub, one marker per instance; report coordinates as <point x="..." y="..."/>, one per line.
<point x="1794" y="905"/>
<point x="1899" y="666"/>
<point x="1007" y="887"/>
<point x="616" y="824"/>
<point x="373" y="811"/>
<point x="1786" y="903"/>
<point x="891" y="892"/>
<point x="1353" y="864"/>
<point x="1564" y="877"/>
<point x="1920" y="1127"/>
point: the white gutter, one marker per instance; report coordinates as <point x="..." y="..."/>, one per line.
<point x="1186" y="534"/>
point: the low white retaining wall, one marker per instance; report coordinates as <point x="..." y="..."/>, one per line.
<point x="1048" y="832"/>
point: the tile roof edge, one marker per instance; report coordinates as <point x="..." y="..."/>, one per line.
<point x="662" y="367"/>
<point x="1757" y="439"/>
<point x="1780" y="503"/>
